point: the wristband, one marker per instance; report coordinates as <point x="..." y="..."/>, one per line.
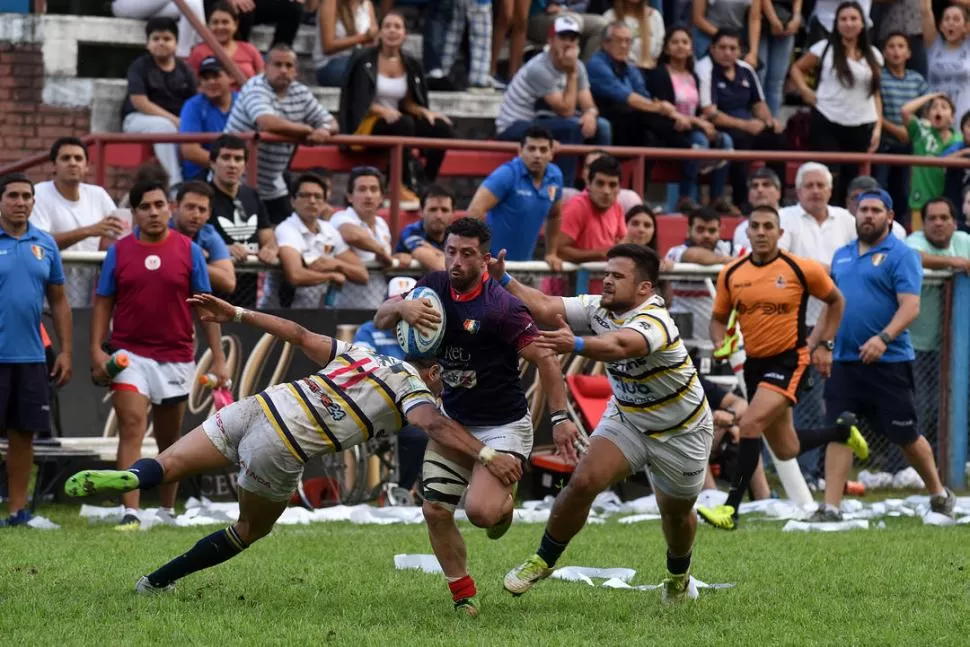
<point x="237" y="317"/>
<point x="505" y="280"/>
<point x="559" y="419"/>
<point x="578" y="345"/>
<point x="486" y="455"/>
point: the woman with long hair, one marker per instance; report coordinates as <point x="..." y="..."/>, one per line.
<point x="224" y="23"/>
<point x="948" y="53"/>
<point x="647" y="25"/>
<point x="343" y="26"/>
<point x="674" y="81"/>
<point x="385" y="93"/>
<point x="846" y="105"/>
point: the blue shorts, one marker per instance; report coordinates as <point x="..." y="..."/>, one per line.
<point x="25" y="398"/>
<point x="882" y="393"/>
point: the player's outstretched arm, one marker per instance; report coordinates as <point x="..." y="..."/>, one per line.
<point x="449" y="434"/>
<point x="621" y="344"/>
<point x="319" y="348"/>
<point x="544" y="308"/>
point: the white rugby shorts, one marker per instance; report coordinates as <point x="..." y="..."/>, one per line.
<point x="160" y="382"/>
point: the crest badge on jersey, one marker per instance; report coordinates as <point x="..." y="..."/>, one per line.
<point x="152" y="262"/>
<point x="38" y="252"/>
<point x="877" y="259"/>
<point x="780" y="281"/>
<point x="551" y="190"/>
<point x="471" y="326"/>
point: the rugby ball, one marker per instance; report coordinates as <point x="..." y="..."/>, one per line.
<point x="414" y="342"/>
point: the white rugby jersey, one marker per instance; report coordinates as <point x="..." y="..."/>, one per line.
<point x="356" y="396"/>
<point x="660" y="393"/>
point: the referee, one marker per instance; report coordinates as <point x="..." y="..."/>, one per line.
<point x="872" y="371"/>
<point x="30" y="269"/>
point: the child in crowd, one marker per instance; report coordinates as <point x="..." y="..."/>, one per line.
<point x="929" y="136"/>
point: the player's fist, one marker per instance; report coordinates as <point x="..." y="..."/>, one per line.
<point x="422" y="314"/>
<point x="506" y="468"/>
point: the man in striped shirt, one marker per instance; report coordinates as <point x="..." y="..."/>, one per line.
<point x="276" y="103"/>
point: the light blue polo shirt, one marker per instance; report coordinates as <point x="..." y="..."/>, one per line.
<point x="522" y="208"/>
<point x="870" y="283"/>
<point x="27" y="266"/>
<point x="210" y="241"/>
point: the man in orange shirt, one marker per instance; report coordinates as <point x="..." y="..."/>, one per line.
<point x="593" y="222"/>
<point x="769" y="289"/>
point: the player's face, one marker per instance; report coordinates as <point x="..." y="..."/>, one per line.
<point x="161" y="44"/>
<point x="309" y="201"/>
<point x="705" y="233"/>
<point x="215" y="84"/>
<point x="465" y="261"/>
<point x="152" y="213"/>
<point x="71" y="164"/>
<point x="437" y="214"/>
<point x="764" y="232"/>
<point x="603" y="190"/>
<point x="367" y="196"/>
<point x="621" y="288"/>
<point x="872" y="220"/>
<point x="17" y="202"/>
<point x="192" y="214"/>
<point x="432" y="377"/>
<point x="536" y="154"/>
<point x="763" y="193"/>
<point x="938" y="225"/>
<point x="229" y="166"/>
<point x="815" y="192"/>
<point x="281" y="70"/>
<point x="640" y="229"/>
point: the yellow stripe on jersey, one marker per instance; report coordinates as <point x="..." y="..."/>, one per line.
<point x="314" y="416"/>
<point x="277" y="422"/>
<point x="643" y="315"/>
<point x="686" y="422"/>
<point x="676" y="396"/>
<point x="363" y="422"/>
<point x="652" y="374"/>
<point x="385" y="391"/>
<point x="620" y="322"/>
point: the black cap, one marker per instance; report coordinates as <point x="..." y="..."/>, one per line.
<point x="210" y="64"/>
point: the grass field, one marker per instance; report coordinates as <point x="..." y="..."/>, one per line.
<point x="335" y="584"/>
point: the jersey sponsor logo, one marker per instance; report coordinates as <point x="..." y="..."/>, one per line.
<point x="38" y="252"/>
<point x="602" y="321"/>
<point x="877" y="259"/>
<point x="335" y="410"/>
<point x="152" y="262"/>
<point x="471" y="326"/>
<point x="774" y="376"/>
<point x="456" y="354"/>
<point x="765" y="306"/>
<point x="459" y="379"/>
<point x="634" y="388"/>
<point x="780" y="281"/>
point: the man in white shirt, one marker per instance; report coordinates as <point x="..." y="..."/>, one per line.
<point x="311" y="251"/>
<point x="79" y="216"/>
<point x="367" y="234"/>
<point x="764" y="190"/>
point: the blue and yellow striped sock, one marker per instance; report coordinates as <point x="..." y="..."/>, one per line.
<point x="207" y="552"/>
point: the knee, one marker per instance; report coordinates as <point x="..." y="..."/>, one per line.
<point x="483" y="514"/>
<point x="583" y="485"/>
<point x="405" y="125"/>
<point x="131" y="422"/>
<point x="751" y="425"/>
<point x="436" y="514"/>
<point x="250" y="532"/>
<point x="786" y="451"/>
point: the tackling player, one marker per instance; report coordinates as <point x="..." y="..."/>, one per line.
<point x="769" y="290"/>
<point x="487" y="330"/>
<point x="355" y="396"/>
<point x="658" y="417"/>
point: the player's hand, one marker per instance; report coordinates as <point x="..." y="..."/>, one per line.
<point x="561" y="340"/>
<point x="587" y="125"/>
<point x="268" y="255"/>
<point x="570" y="442"/>
<point x="62" y="371"/>
<point x="871" y="351"/>
<point x="336" y="278"/>
<point x="221" y="371"/>
<point x="555" y="263"/>
<point x="108" y="227"/>
<point x="318" y="136"/>
<point x="212" y="308"/>
<point x="98" y="375"/>
<point x="496" y="266"/>
<point x="822" y="361"/>
<point x="421" y="314"/>
<point x="506" y="468"/>
<point x="723" y="418"/>
<point x="242" y="6"/>
<point x="238" y="252"/>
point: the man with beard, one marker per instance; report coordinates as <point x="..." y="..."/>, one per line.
<point x="487" y="331"/>
<point x="769" y="290"/>
<point x="872" y="373"/>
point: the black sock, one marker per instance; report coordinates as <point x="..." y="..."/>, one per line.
<point x="809" y="439"/>
<point x="207" y="552"/>
<point x="678" y="565"/>
<point x="550" y="549"/>
<point x="749" y="451"/>
<point x="149" y="472"/>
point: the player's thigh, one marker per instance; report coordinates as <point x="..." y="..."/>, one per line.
<point x="167" y="419"/>
<point x="767" y="414"/>
<point x="257" y="515"/>
<point x="603" y="464"/>
<point x="445" y="475"/>
<point x="191" y="454"/>
<point x="678" y="464"/>
<point x="131" y="408"/>
<point x="514" y="438"/>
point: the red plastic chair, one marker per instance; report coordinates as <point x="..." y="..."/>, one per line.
<point x="591" y="393"/>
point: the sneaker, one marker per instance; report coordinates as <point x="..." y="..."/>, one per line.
<point x="855" y="442"/>
<point x="502" y="527"/>
<point x="723" y="517"/>
<point x="941" y="503"/>
<point x="678" y="588"/>
<point x="521" y="578"/>
<point x="825" y="514"/>
<point x="22" y="517"/>
<point x="144" y="587"/>
<point x="96" y="481"/>
<point x="128" y="523"/>
<point x="481" y="89"/>
<point x="496" y="83"/>
<point x="468" y="606"/>
<point x="409" y="200"/>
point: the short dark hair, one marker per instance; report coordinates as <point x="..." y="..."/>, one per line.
<point x="225" y="7"/>
<point x="158" y="24"/>
<point x="61" y="142"/>
<point x="471" y="228"/>
<point x="707" y="214"/>
<point x="363" y="171"/>
<point x="964" y="119"/>
<point x="646" y="260"/>
<point x="537" y="132"/>
<point x="14" y="178"/>
<point x="308" y="178"/>
<point x="726" y="32"/>
<point x="941" y="200"/>
<point x="138" y="191"/>
<point x="281" y="47"/>
<point x="606" y="165"/>
<point x="230" y="142"/>
<point x="767" y="208"/>
<point x="437" y="191"/>
<point x="152" y="171"/>
<point x="894" y="34"/>
<point x="420" y="362"/>
<point x="194" y="186"/>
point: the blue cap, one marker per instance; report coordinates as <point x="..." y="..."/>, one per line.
<point x="879" y="194"/>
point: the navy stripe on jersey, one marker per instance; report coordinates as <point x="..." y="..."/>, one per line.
<point x="317" y="417"/>
<point x="267" y="403"/>
<point x="368" y="425"/>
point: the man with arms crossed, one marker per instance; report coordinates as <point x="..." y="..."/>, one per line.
<point x="487" y="331"/>
<point x="658" y="417"/>
<point x="355" y="396"/>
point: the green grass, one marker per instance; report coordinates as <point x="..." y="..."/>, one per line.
<point x="335" y="584"/>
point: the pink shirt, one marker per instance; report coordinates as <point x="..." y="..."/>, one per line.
<point x="589" y="227"/>
<point x="246" y="56"/>
<point x="685" y="92"/>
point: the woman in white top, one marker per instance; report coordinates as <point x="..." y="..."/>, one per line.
<point x="948" y="54"/>
<point x="342" y="27"/>
<point x="846" y="103"/>
<point x="647" y="25"/>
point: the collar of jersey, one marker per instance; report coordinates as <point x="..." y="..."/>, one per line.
<point x="468" y="296"/>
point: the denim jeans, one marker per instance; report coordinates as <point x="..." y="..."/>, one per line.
<point x="565" y="131"/>
<point x="437" y="17"/>
<point x="775" y="54"/>
<point x="689" y="186"/>
<point x="332" y="74"/>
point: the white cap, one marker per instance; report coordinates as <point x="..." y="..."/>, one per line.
<point x="566" y="25"/>
<point x="400" y="285"/>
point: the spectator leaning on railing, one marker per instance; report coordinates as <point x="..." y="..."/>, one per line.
<point x="30" y="270"/>
<point x="224" y="23"/>
<point x="276" y="103"/>
<point x="206" y="112"/>
<point x="193" y="206"/>
<point x="424" y="241"/>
